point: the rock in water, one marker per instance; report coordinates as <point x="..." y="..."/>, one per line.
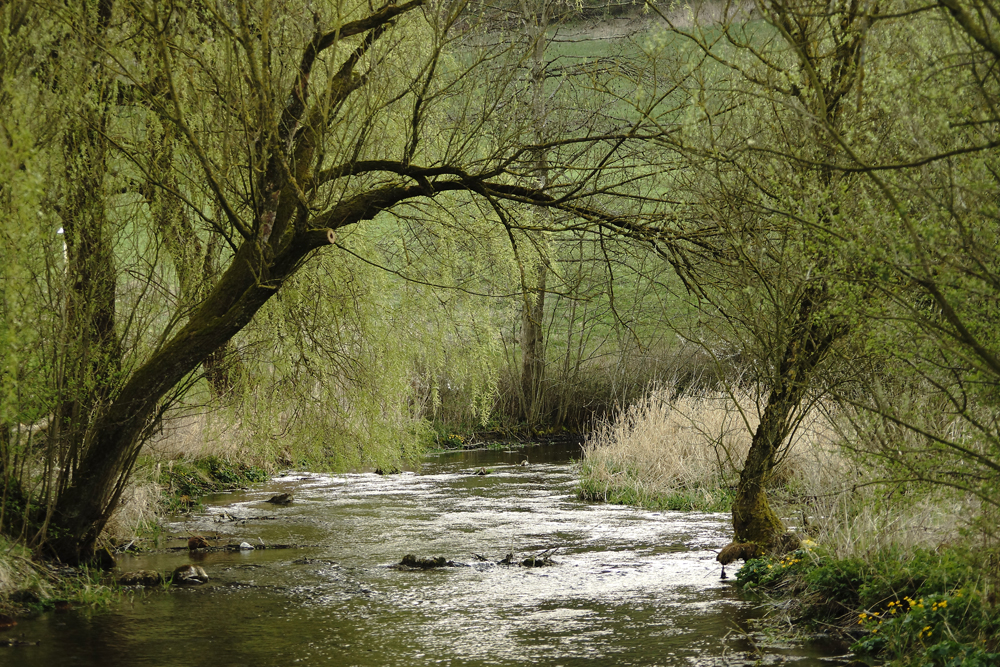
<point x="409" y="560"/>
<point x="141" y="578"/>
<point x="189" y="575"/>
<point x="281" y="499"/>
<point x="197" y="542"/>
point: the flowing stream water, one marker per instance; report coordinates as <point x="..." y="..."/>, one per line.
<point x="626" y="587"/>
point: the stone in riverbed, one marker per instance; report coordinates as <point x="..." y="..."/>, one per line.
<point x="281" y="499"/>
<point x="197" y="542"/>
<point x="189" y="575"/>
<point x="409" y="560"/>
<point x="141" y="578"/>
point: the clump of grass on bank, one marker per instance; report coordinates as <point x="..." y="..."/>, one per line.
<point x="29" y="586"/>
<point x="687" y="453"/>
<point x="170" y="486"/>
<point x="928" y="607"/>
<point x="196" y="477"/>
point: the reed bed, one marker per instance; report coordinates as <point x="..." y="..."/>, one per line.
<point x="686" y="453"/>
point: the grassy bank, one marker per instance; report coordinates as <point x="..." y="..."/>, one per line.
<point x="158" y="486"/>
<point x="27" y="586"/>
<point x="909" y="607"/>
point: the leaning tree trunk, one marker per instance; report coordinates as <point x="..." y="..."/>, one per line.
<point x="753" y="519"/>
<point x="85" y="505"/>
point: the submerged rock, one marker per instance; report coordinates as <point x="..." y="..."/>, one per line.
<point x="281" y="499"/>
<point x="141" y="578"/>
<point x="409" y="560"/>
<point x="197" y="542"/>
<point x="189" y="575"/>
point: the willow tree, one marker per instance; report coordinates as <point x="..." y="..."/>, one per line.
<point x="927" y="413"/>
<point x="763" y="205"/>
<point x="198" y="154"/>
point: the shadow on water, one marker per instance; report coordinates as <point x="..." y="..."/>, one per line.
<point x="628" y="587"/>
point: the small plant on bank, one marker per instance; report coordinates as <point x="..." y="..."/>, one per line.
<point x="770" y="573"/>
<point x="926" y="608"/>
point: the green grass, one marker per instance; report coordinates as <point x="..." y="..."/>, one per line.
<point x="197" y="477"/>
<point x="684" y="500"/>
<point x="30" y="587"/>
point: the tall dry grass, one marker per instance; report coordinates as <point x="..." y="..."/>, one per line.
<point x="184" y="435"/>
<point x="19" y="572"/>
<point x="687" y="453"/>
<point x="695" y="446"/>
<point x="138" y="510"/>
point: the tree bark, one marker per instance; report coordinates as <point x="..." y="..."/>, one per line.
<point x="536" y="20"/>
<point x="753" y="519"/>
<point x="533" y="349"/>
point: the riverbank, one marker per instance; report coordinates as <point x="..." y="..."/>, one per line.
<point x="30" y="587"/>
<point x="905" y="607"/>
<point x="909" y="572"/>
<point x="158" y="487"/>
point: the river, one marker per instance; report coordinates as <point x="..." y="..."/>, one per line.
<point x="626" y="587"/>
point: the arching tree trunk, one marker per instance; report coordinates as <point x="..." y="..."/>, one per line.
<point x="84" y="506"/>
